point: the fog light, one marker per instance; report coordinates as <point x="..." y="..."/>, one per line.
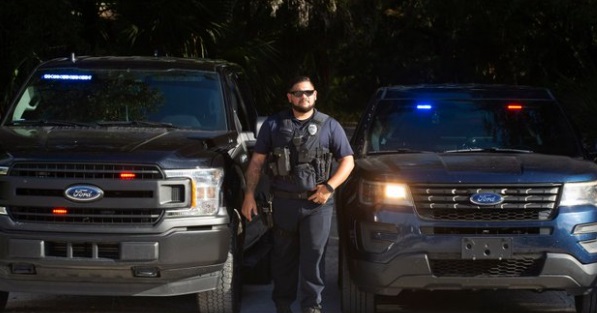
<point x="585" y="229"/>
<point x="23" y="268"/>
<point x="146" y="272"/>
<point x="589" y="245"/>
<point x="378" y="235"/>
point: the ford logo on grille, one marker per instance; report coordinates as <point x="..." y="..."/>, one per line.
<point x="83" y="193"/>
<point x="486" y="198"/>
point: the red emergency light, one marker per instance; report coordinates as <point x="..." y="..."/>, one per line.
<point x="514" y="106"/>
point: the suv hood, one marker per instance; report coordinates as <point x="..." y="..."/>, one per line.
<point x="120" y="144"/>
<point x="478" y="168"/>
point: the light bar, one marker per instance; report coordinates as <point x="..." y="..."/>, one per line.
<point x="66" y="77"/>
<point x="424" y="106"/>
<point x="514" y="106"/>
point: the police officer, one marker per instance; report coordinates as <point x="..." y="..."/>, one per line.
<point x="298" y="145"/>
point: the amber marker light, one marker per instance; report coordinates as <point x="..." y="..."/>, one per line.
<point x="514" y="106"/>
<point x="127" y="175"/>
<point x="59" y="211"/>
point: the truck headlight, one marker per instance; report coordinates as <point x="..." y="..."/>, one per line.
<point x="3" y="170"/>
<point x="385" y="193"/>
<point x="579" y="193"/>
<point x="206" y="197"/>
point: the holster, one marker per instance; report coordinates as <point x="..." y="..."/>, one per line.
<point x="266" y="212"/>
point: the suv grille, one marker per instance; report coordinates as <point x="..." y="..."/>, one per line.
<point x="490" y="268"/>
<point x="528" y="202"/>
<point x="83" y="170"/>
<point x="87" y="215"/>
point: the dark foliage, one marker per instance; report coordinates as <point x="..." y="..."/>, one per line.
<point x="350" y="47"/>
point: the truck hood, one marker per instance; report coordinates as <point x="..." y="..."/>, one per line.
<point x="477" y="168"/>
<point x="169" y="147"/>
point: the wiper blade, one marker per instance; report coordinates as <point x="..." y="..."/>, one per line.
<point x="48" y="123"/>
<point x="497" y="150"/>
<point x="136" y="123"/>
<point x="403" y="150"/>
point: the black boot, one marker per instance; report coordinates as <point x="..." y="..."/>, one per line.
<point x="283" y="308"/>
<point x="312" y="310"/>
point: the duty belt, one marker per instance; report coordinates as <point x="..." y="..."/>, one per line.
<point x="292" y="195"/>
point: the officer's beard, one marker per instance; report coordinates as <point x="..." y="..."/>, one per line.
<point x="303" y="109"/>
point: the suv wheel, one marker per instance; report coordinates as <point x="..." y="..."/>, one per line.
<point x="586" y="303"/>
<point x="3" y="300"/>
<point x="353" y="299"/>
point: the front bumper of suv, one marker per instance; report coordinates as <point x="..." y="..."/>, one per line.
<point x="397" y="250"/>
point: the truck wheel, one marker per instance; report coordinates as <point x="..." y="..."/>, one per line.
<point x="586" y="303"/>
<point x="353" y="300"/>
<point x="226" y="297"/>
<point x="3" y="300"/>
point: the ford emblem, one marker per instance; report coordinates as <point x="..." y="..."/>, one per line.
<point x="486" y="198"/>
<point x="83" y="193"/>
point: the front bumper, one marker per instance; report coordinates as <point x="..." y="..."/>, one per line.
<point x="398" y="250"/>
<point x="181" y="261"/>
<point x="560" y="272"/>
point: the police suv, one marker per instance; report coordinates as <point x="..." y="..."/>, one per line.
<point x="467" y="187"/>
<point x="124" y="176"/>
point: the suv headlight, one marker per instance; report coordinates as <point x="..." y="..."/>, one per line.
<point x="206" y="197"/>
<point x="579" y="193"/>
<point x="385" y="193"/>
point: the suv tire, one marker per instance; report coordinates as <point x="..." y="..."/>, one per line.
<point x="3" y="300"/>
<point x="353" y="299"/>
<point x="586" y="303"/>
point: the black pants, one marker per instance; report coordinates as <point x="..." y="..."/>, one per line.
<point x="302" y="230"/>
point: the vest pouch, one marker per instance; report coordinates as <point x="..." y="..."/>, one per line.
<point x="305" y="176"/>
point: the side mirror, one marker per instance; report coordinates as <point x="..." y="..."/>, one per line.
<point x="258" y="123"/>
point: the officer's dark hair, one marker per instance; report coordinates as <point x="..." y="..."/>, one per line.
<point x="299" y="79"/>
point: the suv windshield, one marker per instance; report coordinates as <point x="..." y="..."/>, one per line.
<point x="471" y="125"/>
<point x="187" y="99"/>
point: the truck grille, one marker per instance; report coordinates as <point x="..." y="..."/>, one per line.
<point x="488" y="268"/>
<point x="528" y="202"/>
<point x="86" y="215"/>
<point x="82" y="250"/>
<point x="83" y="170"/>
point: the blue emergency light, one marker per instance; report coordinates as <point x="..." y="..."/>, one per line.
<point x="67" y="77"/>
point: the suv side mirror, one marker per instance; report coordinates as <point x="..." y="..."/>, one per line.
<point x="258" y="123"/>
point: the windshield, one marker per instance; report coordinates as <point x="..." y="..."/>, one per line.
<point x="187" y="99"/>
<point x="471" y="125"/>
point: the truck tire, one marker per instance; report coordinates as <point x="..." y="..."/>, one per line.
<point x="353" y="299"/>
<point x="226" y="297"/>
<point x="586" y="303"/>
<point x="3" y="300"/>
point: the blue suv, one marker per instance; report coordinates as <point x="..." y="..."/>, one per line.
<point x="467" y="187"/>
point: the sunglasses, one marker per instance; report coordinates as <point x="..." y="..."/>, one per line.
<point x="300" y="93"/>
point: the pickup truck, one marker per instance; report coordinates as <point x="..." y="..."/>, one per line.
<point x="125" y="176"/>
<point x="467" y="187"/>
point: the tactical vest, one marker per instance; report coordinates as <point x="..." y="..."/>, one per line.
<point x="297" y="152"/>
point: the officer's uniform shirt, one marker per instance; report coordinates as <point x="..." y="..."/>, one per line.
<point x="331" y="136"/>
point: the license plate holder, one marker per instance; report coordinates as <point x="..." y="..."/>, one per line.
<point x="486" y="248"/>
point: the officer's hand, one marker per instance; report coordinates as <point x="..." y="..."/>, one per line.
<point x="249" y="208"/>
<point x="321" y="194"/>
